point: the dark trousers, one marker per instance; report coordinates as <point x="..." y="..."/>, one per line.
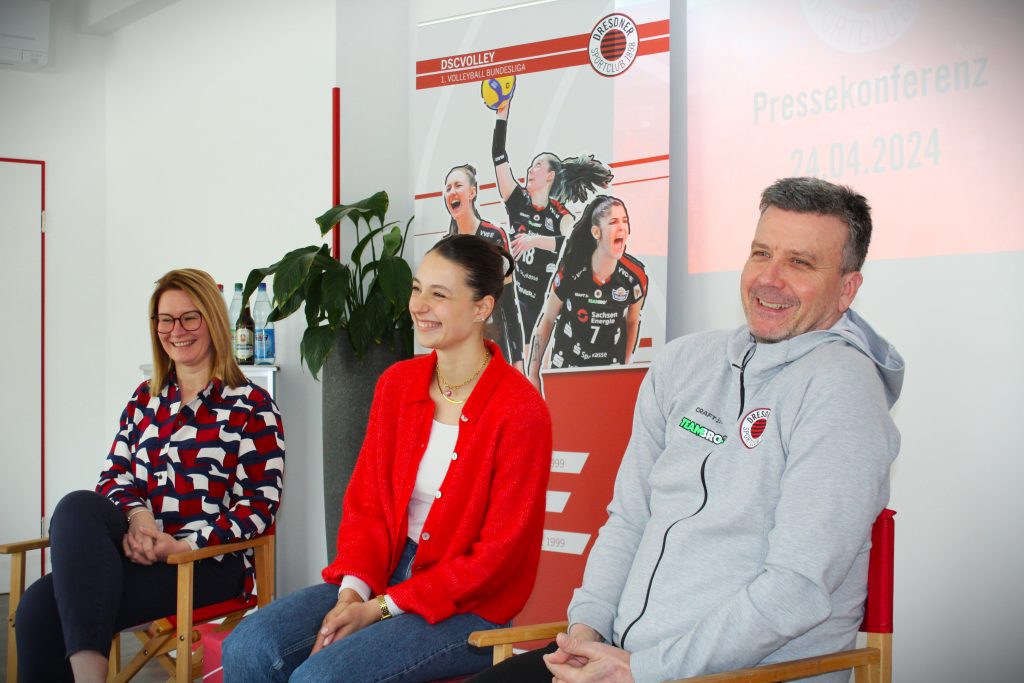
<point x="94" y="591"/>
<point x="525" y="668"/>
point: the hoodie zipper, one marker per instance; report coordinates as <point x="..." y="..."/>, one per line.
<point x="664" y="544"/>
<point x="746" y="359"/>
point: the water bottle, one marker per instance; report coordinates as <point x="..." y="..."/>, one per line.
<point x="265" y="351"/>
<point x="235" y="310"/>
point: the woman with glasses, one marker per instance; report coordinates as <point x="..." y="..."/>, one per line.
<point x="198" y="460"/>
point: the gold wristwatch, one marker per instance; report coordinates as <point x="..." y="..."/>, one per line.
<point x="385" y="613"/>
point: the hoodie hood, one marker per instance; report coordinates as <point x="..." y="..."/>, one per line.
<point x="763" y="360"/>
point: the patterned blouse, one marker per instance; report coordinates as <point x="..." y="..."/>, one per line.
<point x="211" y="471"/>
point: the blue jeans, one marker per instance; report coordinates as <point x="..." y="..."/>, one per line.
<point x="274" y="643"/>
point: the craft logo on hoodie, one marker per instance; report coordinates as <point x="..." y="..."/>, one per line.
<point x="753" y="425"/>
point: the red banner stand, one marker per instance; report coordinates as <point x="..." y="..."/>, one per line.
<point x="592" y="414"/>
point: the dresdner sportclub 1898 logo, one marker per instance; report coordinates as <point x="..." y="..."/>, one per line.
<point x="613" y="45"/>
<point x="753" y="425"/>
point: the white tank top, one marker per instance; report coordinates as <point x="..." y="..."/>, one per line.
<point x="433" y="468"/>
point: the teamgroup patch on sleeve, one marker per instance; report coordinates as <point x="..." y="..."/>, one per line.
<point x="703" y="432"/>
<point x="753" y="426"/>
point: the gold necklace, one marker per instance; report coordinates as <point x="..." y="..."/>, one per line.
<point x="447" y="389"/>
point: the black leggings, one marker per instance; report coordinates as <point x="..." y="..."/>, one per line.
<point x="528" y="667"/>
<point x="94" y="591"/>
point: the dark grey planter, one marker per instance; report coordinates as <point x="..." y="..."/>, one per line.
<point x="348" y="384"/>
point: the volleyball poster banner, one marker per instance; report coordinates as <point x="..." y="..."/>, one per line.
<point x="546" y="129"/>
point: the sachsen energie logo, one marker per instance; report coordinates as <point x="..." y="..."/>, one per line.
<point x="753" y="425"/>
<point x="702" y="431"/>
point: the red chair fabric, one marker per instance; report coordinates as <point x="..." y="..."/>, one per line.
<point x="878" y="607"/>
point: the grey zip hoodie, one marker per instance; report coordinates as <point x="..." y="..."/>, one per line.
<point x="740" y="525"/>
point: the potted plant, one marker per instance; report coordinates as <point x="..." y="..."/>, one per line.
<point x="368" y="300"/>
<point x="357" y="324"/>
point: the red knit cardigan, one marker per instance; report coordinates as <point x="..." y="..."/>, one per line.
<point x="480" y="544"/>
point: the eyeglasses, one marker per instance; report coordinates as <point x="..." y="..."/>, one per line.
<point x="190" y="321"/>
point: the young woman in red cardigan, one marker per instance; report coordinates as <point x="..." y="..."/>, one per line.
<point x="442" y="520"/>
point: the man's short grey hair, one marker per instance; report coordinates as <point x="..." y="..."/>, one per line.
<point x="812" y="195"/>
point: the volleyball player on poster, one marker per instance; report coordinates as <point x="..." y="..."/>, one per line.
<point x="538" y="219"/>
<point x="593" y="309"/>
<point x="503" y="327"/>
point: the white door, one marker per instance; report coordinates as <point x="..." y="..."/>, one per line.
<point x="20" y="360"/>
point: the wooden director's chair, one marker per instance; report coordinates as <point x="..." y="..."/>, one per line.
<point x="175" y="633"/>
<point x="871" y="664"/>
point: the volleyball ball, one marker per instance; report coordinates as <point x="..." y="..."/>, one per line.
<point x="495" y="91"/>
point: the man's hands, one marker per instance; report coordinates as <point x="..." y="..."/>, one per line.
<point x="348" y="616"/>
<point x="582" y="658"/>
<point x="581" y="633"/>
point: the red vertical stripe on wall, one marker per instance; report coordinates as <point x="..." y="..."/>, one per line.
<point x="336" y="166"/>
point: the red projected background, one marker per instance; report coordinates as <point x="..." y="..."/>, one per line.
<point x="914" y="104"/>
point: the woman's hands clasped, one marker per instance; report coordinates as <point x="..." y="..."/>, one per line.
<point x="145" y="543"/>
<point x="351" y="614"/>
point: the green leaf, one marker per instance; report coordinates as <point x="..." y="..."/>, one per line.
<point x="395" y="279"/>
<point x="378" y="314"/>
<point x="315" y="347"/>
<point x="405" y="238"/>
<point x="276" y="314"/>
<point x="392" y="239"/>
<point x="364" y="209"/>
<point x="288" y="307"/>
<point x="256" y="276"/>
<point x="292" y="272"/>
<point x="314" y="299"/>
<point x="337" y="293"/>
<point x="359" y="332"/>
<point x="357" y="252"/>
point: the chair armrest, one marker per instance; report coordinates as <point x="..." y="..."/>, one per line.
<point x="24" y="546"/>
<point x="788" y="671"/>
<point x="220" y="549"/>
<point x="516" y="634"/>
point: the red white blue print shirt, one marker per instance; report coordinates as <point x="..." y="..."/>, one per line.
<point x="211" y="471"/>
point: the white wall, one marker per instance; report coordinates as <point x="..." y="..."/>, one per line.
<point x="57" y="115"/>
<point x="218" y="153"/>
<point x="197" y="136"/>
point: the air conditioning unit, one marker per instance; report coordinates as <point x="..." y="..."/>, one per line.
<point x="24" y="33"/>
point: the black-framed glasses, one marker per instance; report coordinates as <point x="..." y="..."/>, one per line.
<point x="190" y="321"/>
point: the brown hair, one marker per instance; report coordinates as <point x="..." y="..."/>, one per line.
<point x="201" y="288"/>
<point x="486" y="264"/>
<point x="813" y="195"/>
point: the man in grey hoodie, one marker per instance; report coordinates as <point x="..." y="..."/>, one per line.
<point x="739" y="529"/>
